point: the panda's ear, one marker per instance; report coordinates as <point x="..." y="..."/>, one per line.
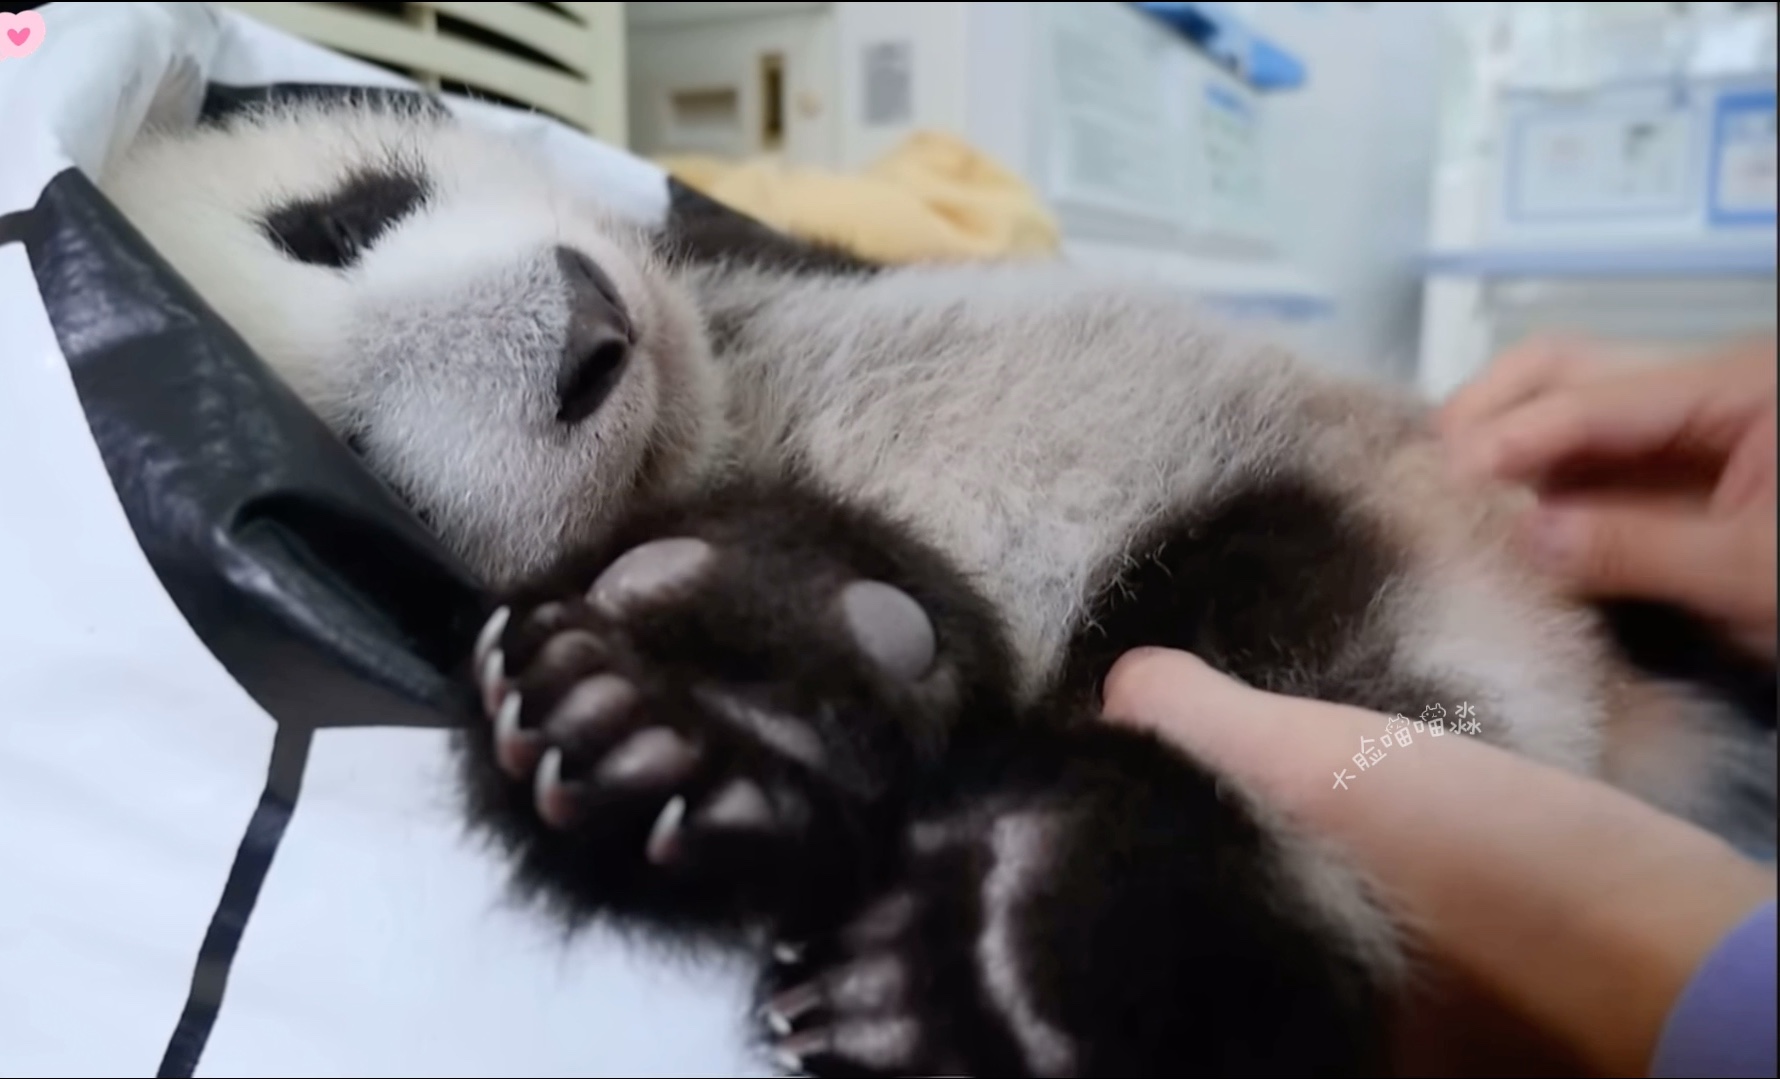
<point x="336" y="230"/>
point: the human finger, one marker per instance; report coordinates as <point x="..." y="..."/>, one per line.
<point x="1750" y="477"/>
<point x="1520" y="374"/>
<point x="1611" y="548"/>
<point x="1680" y="411"/>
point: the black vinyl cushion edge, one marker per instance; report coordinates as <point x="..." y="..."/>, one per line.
<point x="277" y="545"/>
<point x="308" y="580"/>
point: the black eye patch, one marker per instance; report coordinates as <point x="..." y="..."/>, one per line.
<point x="337" y="230"/>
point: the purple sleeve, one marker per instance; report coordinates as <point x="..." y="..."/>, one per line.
<point x="1723" y="1025"/>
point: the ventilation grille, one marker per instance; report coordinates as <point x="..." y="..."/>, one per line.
<point x="565" y="60"/>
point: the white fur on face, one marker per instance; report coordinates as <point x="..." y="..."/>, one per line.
<point x="437" y="353"/>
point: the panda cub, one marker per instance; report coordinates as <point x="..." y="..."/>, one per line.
<point x="809" y="571"/>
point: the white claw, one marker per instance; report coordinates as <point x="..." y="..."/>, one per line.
<point x="515" y="749"/>
<point x="553" y="803"/>
<point x="793" y="1051"/>
<point x="491" y="634"/>
<point x="793" y="1004"/>
<point x="788" y="1062"/>
<point x="493" y="681"/>
<point x="506" y="721"/>
<point x="780" y="1025"/>
<point x="787" y="954"/>
<point x="664" y="838"/>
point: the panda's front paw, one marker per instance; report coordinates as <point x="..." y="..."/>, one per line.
<point x="704" y="727"/>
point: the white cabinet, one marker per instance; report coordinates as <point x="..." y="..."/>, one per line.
<point x="1639" y="206"/>
<point x="733" y="80"/>
<point x="1148" y="149"/>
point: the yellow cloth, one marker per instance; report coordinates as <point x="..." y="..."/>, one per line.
<point x="934" y="197"/>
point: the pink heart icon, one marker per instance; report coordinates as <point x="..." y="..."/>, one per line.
<point x="23" y="33"/>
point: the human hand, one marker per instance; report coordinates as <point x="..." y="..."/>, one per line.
<point x="1655" y="480"/>
<point x="1560" y="916"/>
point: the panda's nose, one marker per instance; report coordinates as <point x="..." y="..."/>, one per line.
<point x="599" y="340"/>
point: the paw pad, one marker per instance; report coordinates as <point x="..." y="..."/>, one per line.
<point x="655" y="757"/>
<point x="649" y="573"/>
<point x="890" y="627"/>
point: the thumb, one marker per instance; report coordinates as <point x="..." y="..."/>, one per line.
<point x="1627" y="549"/>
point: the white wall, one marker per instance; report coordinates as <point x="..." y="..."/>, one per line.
<point x="1352" y="157"/>
<point x="936" y="33"/>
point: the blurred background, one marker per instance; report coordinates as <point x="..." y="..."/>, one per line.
<point x="1398" y="188"/>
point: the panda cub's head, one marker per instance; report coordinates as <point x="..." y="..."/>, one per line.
<point x="507" y="355"/>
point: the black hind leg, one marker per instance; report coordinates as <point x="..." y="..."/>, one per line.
<point x="1668" y="642"/>
<point x="713" y="718"/>
<point x="1282" y="585"/>
<point x="1090" y="904"/>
